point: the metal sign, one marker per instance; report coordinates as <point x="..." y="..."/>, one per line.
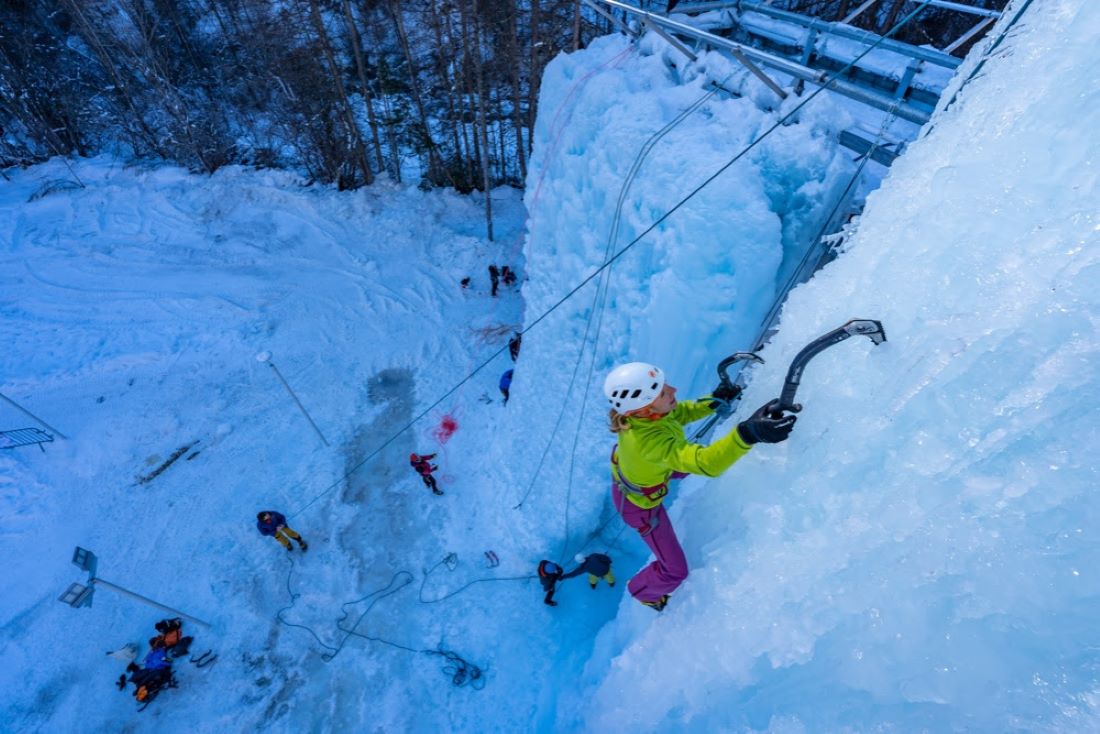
<point x="85" y="560"/>
<point x="77" y="595"/>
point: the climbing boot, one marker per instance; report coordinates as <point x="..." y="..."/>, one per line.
<point x="657" y="605"/>
<point x="437" y="491"/>
<point x="303" y="545"/>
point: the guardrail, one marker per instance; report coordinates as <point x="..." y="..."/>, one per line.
<point x="903" y="109"/>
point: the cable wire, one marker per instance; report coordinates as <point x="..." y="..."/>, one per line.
<point x="626" y="248"/>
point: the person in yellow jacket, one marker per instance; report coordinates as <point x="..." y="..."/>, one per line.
<point x="653" y="450"/>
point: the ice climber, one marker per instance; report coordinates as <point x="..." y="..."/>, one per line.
<point x="423" y="467"/>
<point x="506" y="384"/>
<point x="653" y="449"/>
<point x="269" y="522"/>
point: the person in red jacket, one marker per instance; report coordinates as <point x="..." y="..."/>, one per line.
<point x="423" y="467"/>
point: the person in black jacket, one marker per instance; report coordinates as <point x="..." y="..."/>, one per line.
<point x="494" y="278"/>
<point x="550" y="574"/>
<point x="596" y="565"/>
<point x="269" y="522"/>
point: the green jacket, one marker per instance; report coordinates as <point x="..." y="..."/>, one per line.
<point x="651" y="450"/>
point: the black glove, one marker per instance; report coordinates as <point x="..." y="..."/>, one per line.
<point x="767" y="425"/>
<point x="727" y="392"/>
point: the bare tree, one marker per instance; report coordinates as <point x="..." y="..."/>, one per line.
<point x="338" y="84"/>
<point x="435" y="165"/>
<point x="361" y="70"/>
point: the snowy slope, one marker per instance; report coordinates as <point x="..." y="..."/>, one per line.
<point x="132" y="311"/>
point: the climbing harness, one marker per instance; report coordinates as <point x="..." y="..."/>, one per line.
<point x="649" y="494"/>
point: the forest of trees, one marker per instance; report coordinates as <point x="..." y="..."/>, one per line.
<point x="343" y="90"/>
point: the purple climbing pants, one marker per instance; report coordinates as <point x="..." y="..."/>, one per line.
<point x="670" y="569"/>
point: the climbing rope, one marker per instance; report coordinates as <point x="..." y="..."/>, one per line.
<point x="460" y="670"/>
<point x="598" y="304"/>
<point x="626" y="248"/>
<point x="605" y="284"/>
<point x="459" y="590"/>
<point x="789" y="285"/>
<point x="985" y="57"/>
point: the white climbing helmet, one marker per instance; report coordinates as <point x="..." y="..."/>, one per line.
<point x="633" y="385"/>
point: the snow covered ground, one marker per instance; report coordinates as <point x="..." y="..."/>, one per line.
<point x="920" y="555"/>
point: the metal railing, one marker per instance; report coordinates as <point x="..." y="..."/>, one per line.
<point x="816" y="26"/>
<point x="795" y="70"/>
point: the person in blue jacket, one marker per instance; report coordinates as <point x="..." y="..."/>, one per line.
<point x="272" y="523"/>
<point x="505" y="384"/>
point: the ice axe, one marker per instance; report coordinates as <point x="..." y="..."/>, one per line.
<point x="867" y="327"/>
<point x="723" y="409"/>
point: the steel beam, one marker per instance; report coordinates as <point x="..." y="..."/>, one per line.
<point x="859" y="144"/>
<point x="786" y="66"/>
<point x="850" y="33"/>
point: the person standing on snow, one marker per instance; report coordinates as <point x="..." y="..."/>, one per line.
<point x="653" y="449"/>
<point x="272" y="523"/>
<point x="494" y="278"/>
<point x="550" y="574"/>
<point x="596" y="565"/>
<point x="423" y="467"/>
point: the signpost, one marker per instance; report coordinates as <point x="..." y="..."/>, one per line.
<point x="78" y="595"/>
